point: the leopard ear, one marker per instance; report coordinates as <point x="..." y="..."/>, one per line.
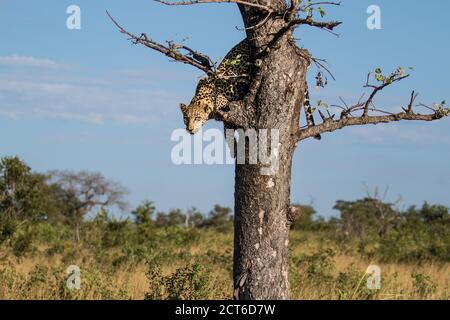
<point x="183" y="107"/>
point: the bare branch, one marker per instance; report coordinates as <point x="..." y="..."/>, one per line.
<point x="90" y="189"/>
<point x="192" y="57"/>
<point x="313" y="4"/>
<point x="297" y="6"/>
<point x="249" y="3"/>
<point x="320" y="64"/>
<point x="243" y="2"/>
<point x="261" y="23"/>
<point x="330" y="25"/>
<point x="290" y="17"/>
<point x="414" y="96"/>
<point x="347" y="118"/>
<point x="358" y="121"/>
<point x="377" y="89"/>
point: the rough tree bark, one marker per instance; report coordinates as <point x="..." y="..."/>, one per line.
<point x="262" y="203"/>
<point x="274" y="101"/>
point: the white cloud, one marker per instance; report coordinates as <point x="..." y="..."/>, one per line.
<point x="94" y="118"/>
<point x="96" y="99"/>
<point x="8" y="114"/>
<point x="24" y="61"/>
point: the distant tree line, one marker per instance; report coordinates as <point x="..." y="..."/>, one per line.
<point x="82" y="200"/>
<point x="379" y="229"/>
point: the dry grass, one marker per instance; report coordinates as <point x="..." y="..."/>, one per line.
<point x="313" y="276"/>
<point x="396" y="280"/>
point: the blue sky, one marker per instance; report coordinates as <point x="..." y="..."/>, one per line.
<point x="86" y="99"/>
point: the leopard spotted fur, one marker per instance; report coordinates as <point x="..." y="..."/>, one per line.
<point x="228" y="83"/>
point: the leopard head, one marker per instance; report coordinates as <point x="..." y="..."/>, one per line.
<point x="196" y="114"/>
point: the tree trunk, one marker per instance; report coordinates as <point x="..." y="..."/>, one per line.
<point x="77" y="232"/>
<point x="261" y="233"/>
<point x="262" y="203"/>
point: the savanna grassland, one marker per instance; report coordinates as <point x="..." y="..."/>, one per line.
<point x="188" y="255"/>
<point x="193" y="264"/>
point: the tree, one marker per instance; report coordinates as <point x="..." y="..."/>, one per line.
<point x="364" y="217"/>
<point x="84" y="191"/>
<point x="176" y="218"/>
<point x="194" y="218"/>
<point x="219" y="218"/>
<point x="434" y="214"/>
<point x="275" y="100"/>
<point x="143" y="214"/>
<point x="161" y="220"/>
<point x="25" y="195"/>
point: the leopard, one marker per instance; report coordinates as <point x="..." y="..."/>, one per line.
<point x="229" y="82"/>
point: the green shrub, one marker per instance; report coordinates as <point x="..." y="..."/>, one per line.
<point x="56" y="249"/>
<point x="8" y="228"/>
<point x="186" y="283"/>
<point x="424" y="286"/>
<point x="156" y="282"/>
<point x="317" y="266"/>
<point x="352" y="285"/>
<point x="22" y="244"/>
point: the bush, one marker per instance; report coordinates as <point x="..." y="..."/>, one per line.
<point x="424" y="287"/>
<point x="352" y="285"/>
<point x="186" y="283"/>
<point x="7" y="229"/>
<point x="22" y="245"/>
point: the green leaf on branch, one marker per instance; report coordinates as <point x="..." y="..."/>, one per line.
<point x="389" y="79"/>
<point x="323" y="104"/>
<point x="441" y="109"/>
<point x="322" y="12"/>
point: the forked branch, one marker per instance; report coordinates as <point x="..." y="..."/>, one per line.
<point x="348" y="117"/>
<point x="171" y="50"/>
<point x="297" y="8"/>
<point x="333" y="125"/>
